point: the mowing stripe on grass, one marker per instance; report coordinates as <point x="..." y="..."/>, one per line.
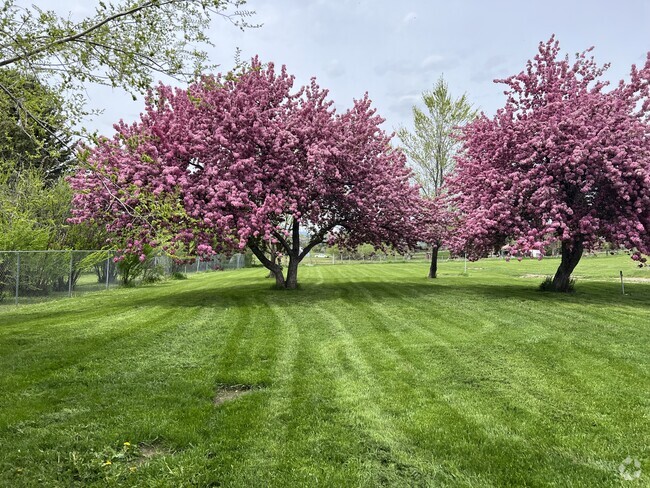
<point x="370" y="375"/>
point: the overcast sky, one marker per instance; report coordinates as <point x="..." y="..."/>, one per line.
<point x="395" y="50"/>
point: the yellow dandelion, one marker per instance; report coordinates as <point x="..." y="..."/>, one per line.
<point x="108" y="462"/>
<point x="127" y="444"/>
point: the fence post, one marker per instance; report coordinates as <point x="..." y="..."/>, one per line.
<point x="70" y="276"/>
<point x="622" y="284"/>
<point x="108" y="267"/>
<point x="198" y="263"/>
<point x="17" y="275"/>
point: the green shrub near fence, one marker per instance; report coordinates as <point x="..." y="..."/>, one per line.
<point x="36" y="275"/>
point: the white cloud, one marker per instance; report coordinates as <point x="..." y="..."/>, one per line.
<point x="334" y="68"/>
<point x="397" y="51"/>
<point x="409" y="18"/>
<point x="402" y="106"/>
<point x="412" y="99"/>
<point x="493" y="67"/>
<point x="431" y="61"/>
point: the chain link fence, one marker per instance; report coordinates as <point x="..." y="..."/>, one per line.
<point x="31" y="276"/>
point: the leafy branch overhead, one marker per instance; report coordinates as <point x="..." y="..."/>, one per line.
<point x="123" y="44"/>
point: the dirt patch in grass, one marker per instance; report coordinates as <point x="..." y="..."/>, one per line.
<point x="146" y="452"/>
<point x="226" y="393"/>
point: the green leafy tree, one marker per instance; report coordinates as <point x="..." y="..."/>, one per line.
<point x="34" y="199"/>
<point x="37" y="141"/>
<point x="123" y="44"/>
<point x="432" y="145"/>
<point x="46" y="62"/>
<point x="32" y="215"/>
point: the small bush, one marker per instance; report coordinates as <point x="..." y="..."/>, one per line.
<point x="177" y="275"/>
<point x="572" y="285"/>
<point x="547" y="285"/>
<point x="153" y="274"/>
<point x="132" y="266"/>
<point x="151" y="278"/>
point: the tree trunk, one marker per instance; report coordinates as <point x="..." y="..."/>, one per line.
<point x="292" y="273"/>
<point x="295" y="256"/>
<point x="291" y="282"/>
<point x="274" y="268"/>
<point x="275" y="260"/>
<point x="433" y="269"/>
<point x="292" y="248"/>
<point x="279" y="277"/>
<point x="571" y="254"/>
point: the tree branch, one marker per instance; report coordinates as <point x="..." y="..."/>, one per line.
<point x="295" y="230"/>
<point x="252" y="245"/>
<point x="85" y="32"/>
<point x="282" y="240"/>
<point x="320" y="237"/>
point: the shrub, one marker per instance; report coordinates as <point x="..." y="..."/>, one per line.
<point x="547" y="285"/>
<point x="133" y="266"/>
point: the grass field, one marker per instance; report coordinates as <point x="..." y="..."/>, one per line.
<point x="368" y="375"/>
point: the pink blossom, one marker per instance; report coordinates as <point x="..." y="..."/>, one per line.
<point x="250" y="161"/>
<point x="566" y="159"/>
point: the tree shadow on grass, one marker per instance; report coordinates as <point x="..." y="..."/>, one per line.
<point x="259" y="293"/>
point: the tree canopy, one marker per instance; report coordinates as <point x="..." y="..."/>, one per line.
<point x="46" y="62"/>
<point x="37" y="141"/>
<point x="244" y="160"/>
<point x="432" y="144"/>
<point x="123" y="44"/>
<point x="33" y="215"/>
<point x="564" y="160"/>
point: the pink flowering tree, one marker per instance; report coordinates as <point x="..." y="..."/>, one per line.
<point x="236" y="161"/>
<point x="566" y="160"/>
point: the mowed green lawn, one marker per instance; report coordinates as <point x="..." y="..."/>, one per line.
<point x="369" y="375"/>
